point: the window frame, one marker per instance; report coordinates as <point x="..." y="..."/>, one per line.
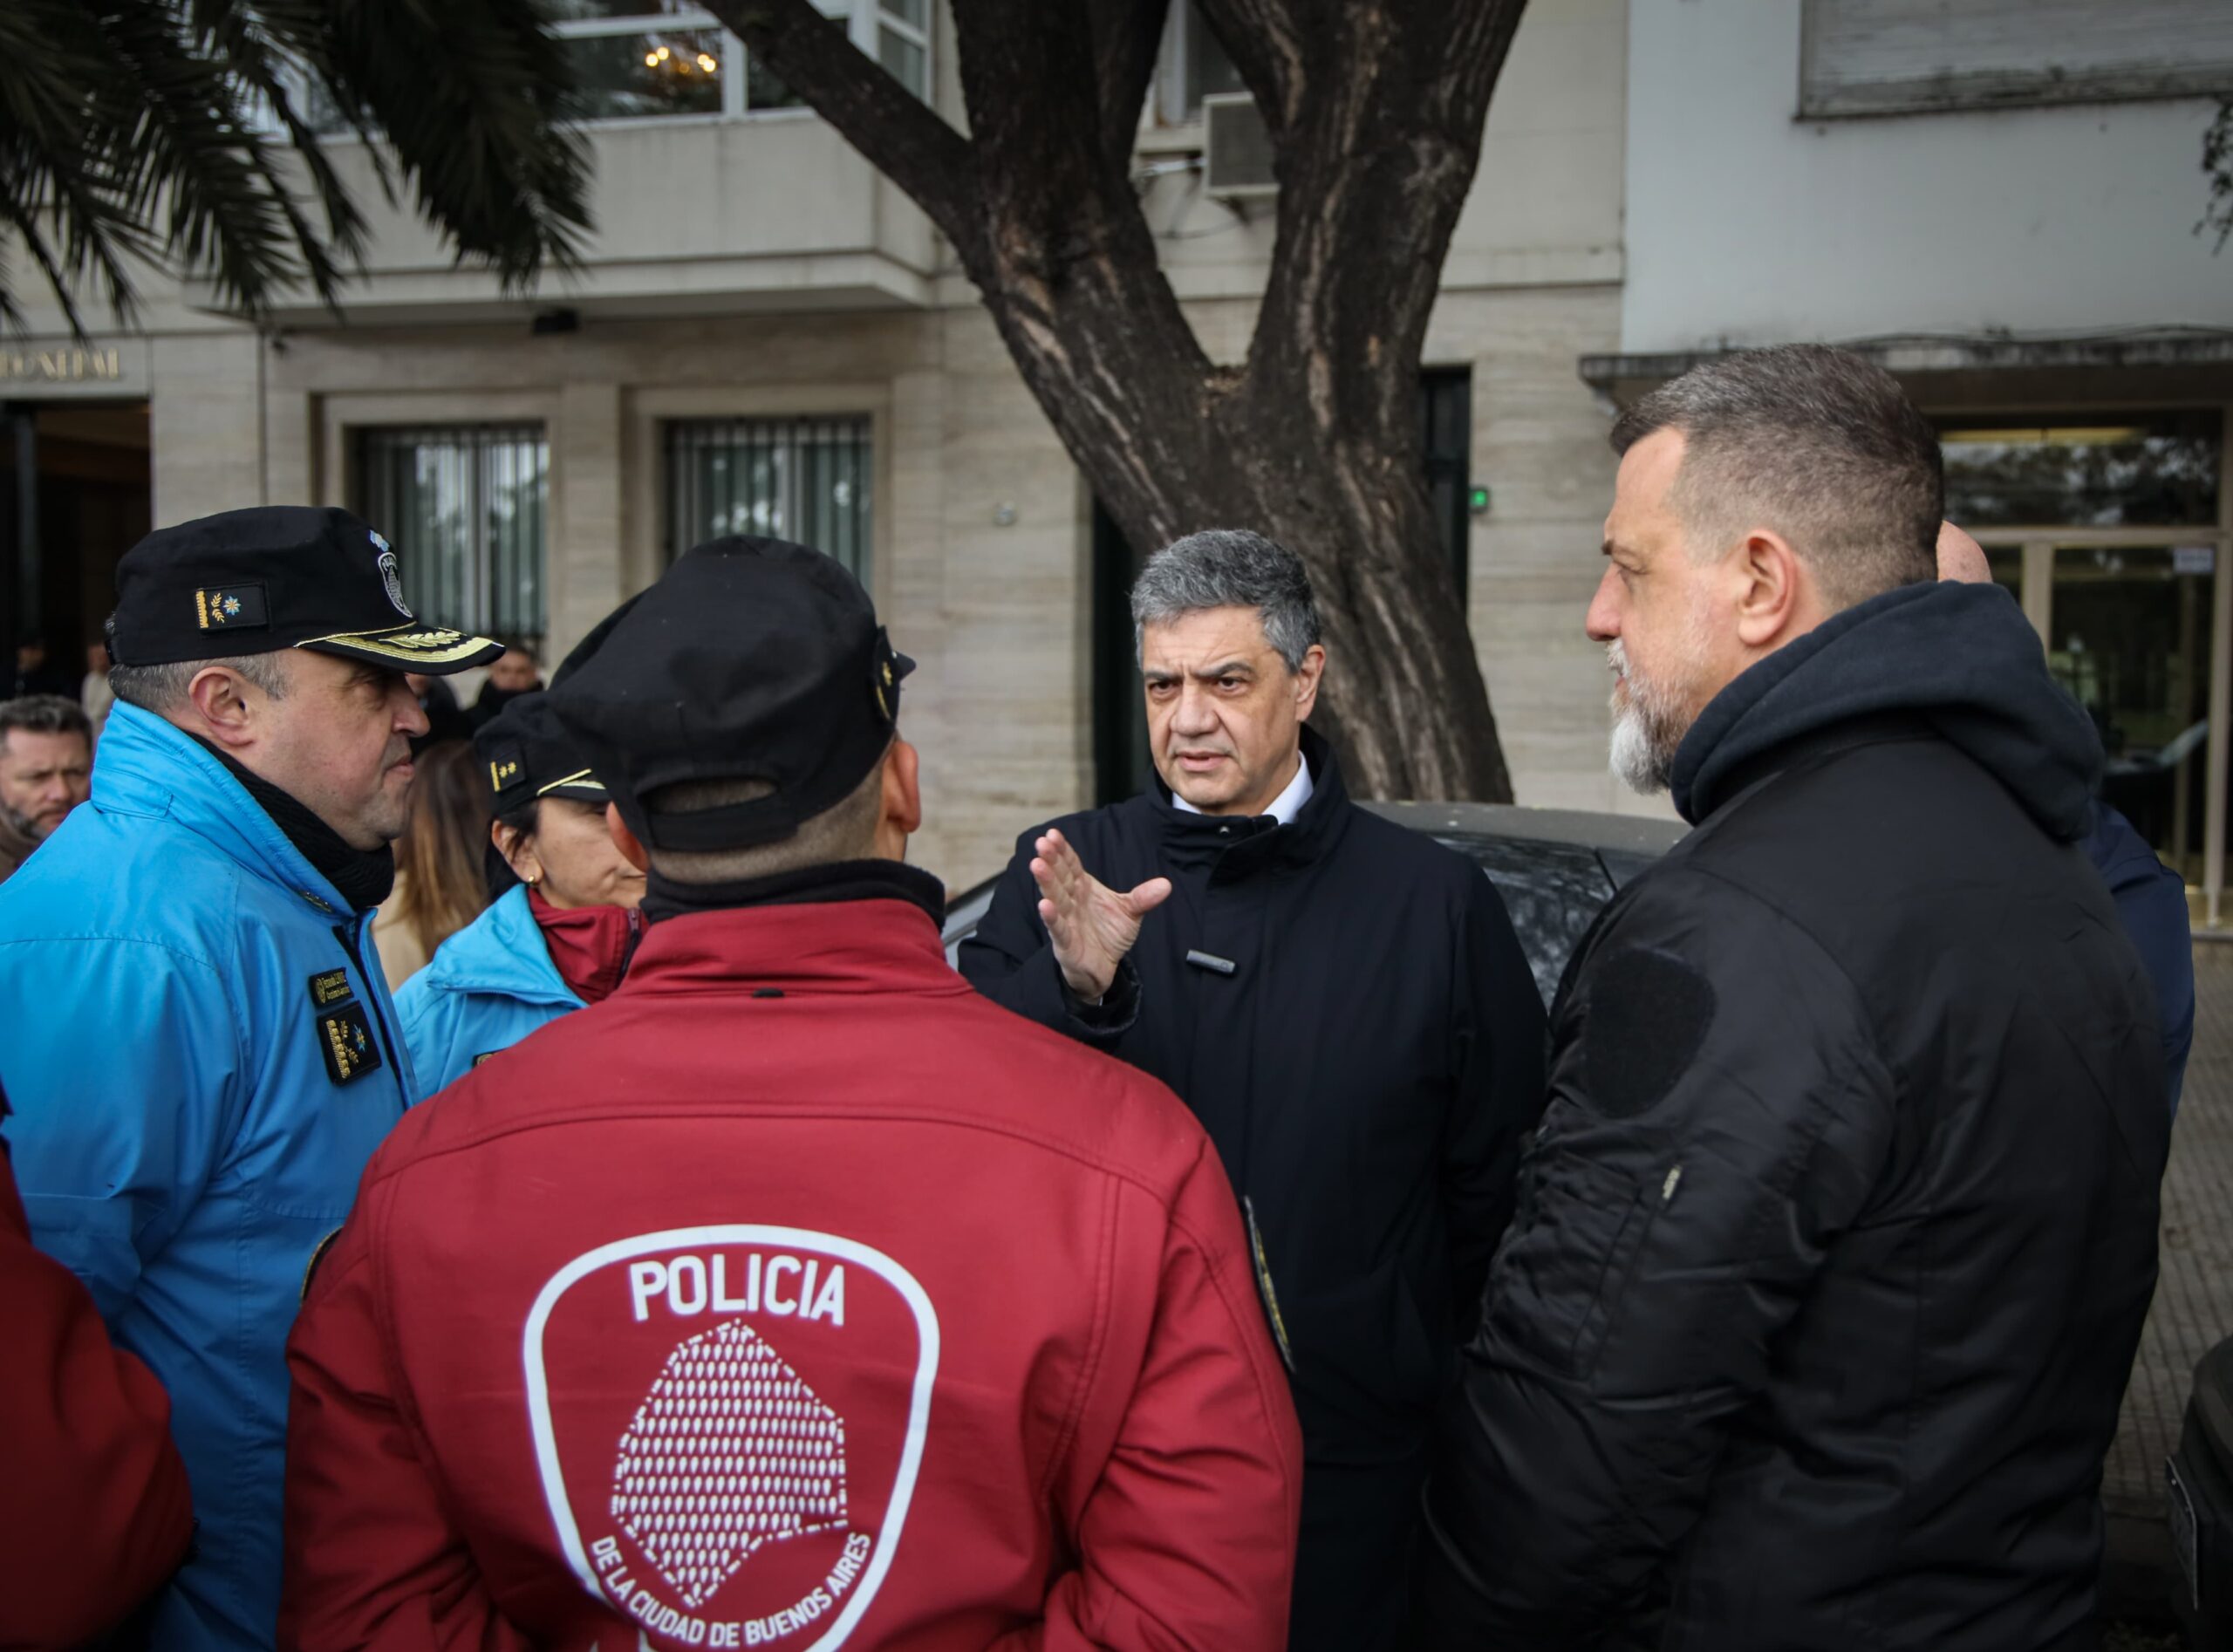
<point x="861" y="17"/>
<point x="469" y="434"/>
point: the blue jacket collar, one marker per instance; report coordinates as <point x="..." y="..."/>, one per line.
<point x="144" y="766"/>
<point x="502" y="950"/>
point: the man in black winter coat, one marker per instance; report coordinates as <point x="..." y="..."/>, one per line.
<point x="1343" y="1005"/>
<point x="1835" y="1241"/>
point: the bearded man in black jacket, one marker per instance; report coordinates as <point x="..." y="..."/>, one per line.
<point x="1343" y="1005"/>
<point x="1835" y="1241"/>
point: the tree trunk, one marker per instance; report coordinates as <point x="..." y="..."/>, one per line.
<point x="1376" y="109"/>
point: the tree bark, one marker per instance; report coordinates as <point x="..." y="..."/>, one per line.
<point x="1376" y="109"/>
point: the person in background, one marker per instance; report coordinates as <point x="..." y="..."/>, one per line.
<point x="95" y="1511"/>
<point x="440" y="885"/>
<point x="982" y="1367"/>
<point x="1837" y="1234"/>
<point x="438" y="704"/>
<point x="193" y="1029"/>
<point x="515" y="672"/>
<point x="1341" y="1001"/>
<point x="2151" y="898"/>
<point x="560" y="937"/>
<point x="94" y="694"/>
<point x="37" y="672"/>
<point x="46" y="770"/>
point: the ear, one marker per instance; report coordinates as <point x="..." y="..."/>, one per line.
<point x="224" y="707"/>
<point x="625" y="841"/>
<point x="1308" y="676"/>
<point x="903" y="797"/>
<point x="1776" y="599"/>
<point x="518" y="849"/>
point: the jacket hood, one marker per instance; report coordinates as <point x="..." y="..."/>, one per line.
<point x="501" y="952"/>
<point x="1961" y="658"/>
<point x="144" y="766"/>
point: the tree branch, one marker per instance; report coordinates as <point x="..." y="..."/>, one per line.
<point x="1127" y="39"/>
<point x="898" y="135"/>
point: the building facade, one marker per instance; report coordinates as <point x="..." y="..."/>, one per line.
<point x="768" y="336"/>
<point x="1999" y="201"/>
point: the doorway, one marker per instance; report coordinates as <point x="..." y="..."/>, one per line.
<point x="75" y="494"/>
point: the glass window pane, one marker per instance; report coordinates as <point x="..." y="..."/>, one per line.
<point x="807" y="480"/>
<point x="906" y="61"/>
<point x="671" y="71"/>
<point x="1208" y="69"/>
<point x="2007" y="564"/>
<point x="915" y="13"/>
<point x="764" y="90"/>
<point x="464" y="506"/>
<point x="2094" y="471"/>
<point x="2130" y="638"/>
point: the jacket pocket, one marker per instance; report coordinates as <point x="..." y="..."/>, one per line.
<point x="1559" y="1278"/>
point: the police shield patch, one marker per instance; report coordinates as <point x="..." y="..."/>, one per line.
<point x="728" y="1422"/>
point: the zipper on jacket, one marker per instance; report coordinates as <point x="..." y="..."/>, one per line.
<point x="348" y="935"/>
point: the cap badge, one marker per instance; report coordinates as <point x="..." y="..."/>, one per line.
<point x="231" y="608"/>
<point x="505" y="771"/>
<point x="392" y="577"/>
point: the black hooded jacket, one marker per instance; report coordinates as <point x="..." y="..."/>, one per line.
<point x="1836" y="1239"/>
<point x="1365" y="1047"/>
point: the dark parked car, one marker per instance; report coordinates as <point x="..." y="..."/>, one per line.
<point x="1555" y="868"/>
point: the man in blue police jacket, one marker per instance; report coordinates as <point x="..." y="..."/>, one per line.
<point x="194" y="1027"/>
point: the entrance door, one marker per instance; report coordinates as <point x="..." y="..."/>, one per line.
<point x="74" y="496"/>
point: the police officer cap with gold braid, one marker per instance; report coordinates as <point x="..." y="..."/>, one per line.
<point x="752" y="659"/>
<point x="257" y="581"/>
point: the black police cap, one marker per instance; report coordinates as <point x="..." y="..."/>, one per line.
<point x="752" y="659"/>
<point x="525" y="754"/>
<point x="255" y="581"/>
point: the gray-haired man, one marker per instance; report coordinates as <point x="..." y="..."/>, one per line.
<point x="46" y="770"/>
<point x="1342" y="1004"/>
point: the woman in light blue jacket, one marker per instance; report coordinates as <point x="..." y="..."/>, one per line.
<point x="560" y="937"/>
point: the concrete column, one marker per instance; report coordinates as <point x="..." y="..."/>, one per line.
<point x="206" y="424"/>
<point x="584" y="563"/>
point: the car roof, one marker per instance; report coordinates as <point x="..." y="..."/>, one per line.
<point x="1642" y="835"/>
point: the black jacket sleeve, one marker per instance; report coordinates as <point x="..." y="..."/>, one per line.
<point x="1497" y="1056"/>
<point x="1011" y="961"/>
<point x="1718" y="1114"/>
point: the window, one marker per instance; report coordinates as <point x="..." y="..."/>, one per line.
<point x="2093" y="470"/>
<point x="646" y="58"/>
<point x="465" y="505"/>
<point x="1194" y="66"/>
<point x="1899" y="56"/>
<point x="808" y="480"/>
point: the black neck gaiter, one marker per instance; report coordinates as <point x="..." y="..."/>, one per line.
<point x="840" y="881"/>
<point x="363" y="878"/>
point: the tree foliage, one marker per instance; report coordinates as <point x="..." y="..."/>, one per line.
<point x="185" y="134"/>
<point x="2217" y="166"/>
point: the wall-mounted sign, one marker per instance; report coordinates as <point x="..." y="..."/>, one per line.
<point x="2193" y="559"/>
<point x="66" y="365"/>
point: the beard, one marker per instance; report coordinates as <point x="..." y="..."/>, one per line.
<point x="1650" y="718"/>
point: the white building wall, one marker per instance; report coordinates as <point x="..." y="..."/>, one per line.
<point x="1748" y="226"/>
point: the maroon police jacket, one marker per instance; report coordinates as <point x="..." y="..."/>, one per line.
<point x="94" y="1508"/>
<point x="795" y="1296"/>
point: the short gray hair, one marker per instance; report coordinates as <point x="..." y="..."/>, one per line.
<point x="1229" y="568"/>
<point x="160" y="688"/>
<point x="45" y="715"/>
<point x="1816" y="442"/>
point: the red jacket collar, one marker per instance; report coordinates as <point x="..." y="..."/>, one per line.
<point x="884" y="945"/>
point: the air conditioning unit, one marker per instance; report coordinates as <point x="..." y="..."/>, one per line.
<point x="1236" y="149"/>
